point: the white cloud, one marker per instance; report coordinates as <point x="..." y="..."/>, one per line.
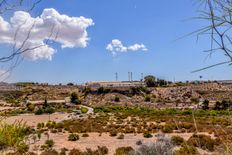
<point x="137" y="47"/>
<point x="70" y="32"/>
<point x="117" y="46"/>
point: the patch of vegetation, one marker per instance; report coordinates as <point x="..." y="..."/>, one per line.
<point x="177" y="140"/>
<point x="50" y="152"/>
<point x="48" y="110"/>
<point x="123" y="150"/>
<point x="100" y="151"/>
<point x="113" y="133"/>
<point x="103" y="90"/>
<point x="85" y="135"/>
<point x="49" y="143"/>
<point x="202" y="141"/>
<point x="187" y="150"/>
<point x="116" y="99"/>
<point x="147" y="135"/>
<point x="84" y="110"/>
<point x="74" y="98"/>
<point x="147" y="98"/>
<point x="13" y="135"/>
<point x="224" y="105"/>
<point x="73" y="137"/>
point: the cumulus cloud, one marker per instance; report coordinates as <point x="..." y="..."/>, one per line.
<point x="32" y="33"/>
<point x="117" y="46"/>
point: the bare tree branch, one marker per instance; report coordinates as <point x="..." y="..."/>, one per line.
<point x="218" y="14"/>
<point x="14" y="58"/>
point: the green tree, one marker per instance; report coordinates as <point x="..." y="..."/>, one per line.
<point x="116" y="99"/>
<point x="150" y="81"/>
<point x="75" y="98"/>
<point x="45" y="103"/>
<point x="205" y="105"/>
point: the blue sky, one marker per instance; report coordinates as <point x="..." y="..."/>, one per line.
<point x="156" y="24"/>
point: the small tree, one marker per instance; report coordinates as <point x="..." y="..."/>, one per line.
<point x="100" y="90"/>
<point x="116" y="99"/>
<point x="45" y="103"/>
<point x="150" y="81"/>
<point x="205" y="105"/>
<point x="70" y="84"/>
<point x="75" y="98"/>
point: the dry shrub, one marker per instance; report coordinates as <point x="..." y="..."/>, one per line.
<point x="100" y="151"/>
<point x="124" y="150"/>
<point x="50" y="152"/>
<point x="162" y="146"/>
<point x="187" y="150"/>
<point x="177" y="140"/>
<point x="202" y="141"/>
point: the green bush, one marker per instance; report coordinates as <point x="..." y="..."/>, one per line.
<point x="49" y="143"/>
<point x="73" y="137"/>
<point x="147" y="135"/>
<point x="30" y="107"/>
<point x="13" y="135"/>
<point x="150" y="81"/>
<point x="84" y="110"/>
<point x="116" y="99"/>
<point x="39" y="111"/>
<point x="147" y="98"/>
<point x="49" y="110"/>
<point x="177" y="140"/>
<point x="75" y="98"/>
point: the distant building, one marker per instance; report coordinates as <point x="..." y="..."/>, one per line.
<point x="115" y="84"/>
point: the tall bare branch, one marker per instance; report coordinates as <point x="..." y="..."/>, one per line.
<point x="218" y="15"/>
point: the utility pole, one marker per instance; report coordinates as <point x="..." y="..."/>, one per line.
<point x="141" y="76"/>
<point x="116" y="76"/>
<point x="128" y="76"/>
<point x="131" y="76"/>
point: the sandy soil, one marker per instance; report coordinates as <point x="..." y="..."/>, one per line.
<point x="33" y="120"/>
<point x="94" y="140"/>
